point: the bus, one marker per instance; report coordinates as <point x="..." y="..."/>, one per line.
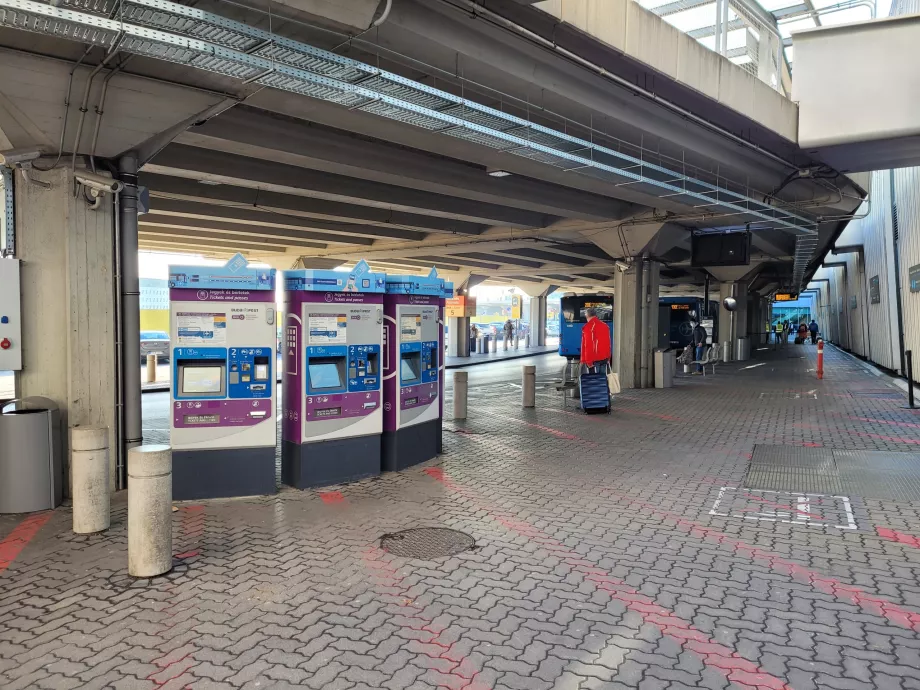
<point x="676" y="316"/>
<point x="572" y="320"/>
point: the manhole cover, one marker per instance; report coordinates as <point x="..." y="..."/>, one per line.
<point x="425" y="543"/>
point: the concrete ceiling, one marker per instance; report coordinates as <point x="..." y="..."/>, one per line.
<point x="286" y="178"/>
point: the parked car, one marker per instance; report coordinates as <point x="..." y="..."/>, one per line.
<point x="154" y="343"/>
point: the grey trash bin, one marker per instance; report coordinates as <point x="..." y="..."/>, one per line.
<point x="30" y="456"/>
<point x="665" y="362"/>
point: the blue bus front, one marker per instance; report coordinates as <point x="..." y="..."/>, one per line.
<point x="573" y="317"/>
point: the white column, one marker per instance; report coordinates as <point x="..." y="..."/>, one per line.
<point x="460" y="391"/>
<point x="89" y="447"/>
<point x="528" y="386"/>
<point x="149" y="510"/>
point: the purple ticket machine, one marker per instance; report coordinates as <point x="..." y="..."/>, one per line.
<point x="333" y="341"/>
<point x="222" y="351"/>
<point x="413" y="308"/>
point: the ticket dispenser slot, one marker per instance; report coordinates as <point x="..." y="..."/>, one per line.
<point x="326" y="375"/>
<point x="410" y="368"/>
<point x="373" y="363"/>
<point x="201" y="378"/>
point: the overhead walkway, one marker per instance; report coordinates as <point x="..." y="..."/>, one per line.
<point x="649" y="544"/>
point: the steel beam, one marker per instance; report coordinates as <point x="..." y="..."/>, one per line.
<point x="264" y="221"/>
<point x="229" y="196"/>
<point x="256" y="133"/>
<point x="314" y="240"/>
<point x="198" y="164"/>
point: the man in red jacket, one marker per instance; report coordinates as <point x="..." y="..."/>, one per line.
<point x="595" y="340"/>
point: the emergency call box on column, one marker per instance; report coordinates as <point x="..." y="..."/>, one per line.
<point x="223" y="397"/>
<point x="10" y="316"/>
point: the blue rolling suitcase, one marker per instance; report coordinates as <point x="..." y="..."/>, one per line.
<point x="595" y="393"/>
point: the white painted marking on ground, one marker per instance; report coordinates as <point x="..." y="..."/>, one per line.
<point x="803" y="509"/>
<point x="754" y="366"/>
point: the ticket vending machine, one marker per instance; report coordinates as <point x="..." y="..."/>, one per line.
<point x="223" y="395"/>
<point x="332" y="414"/>
<point x="412" y="388"/>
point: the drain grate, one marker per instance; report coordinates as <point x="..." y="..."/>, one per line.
<point x="427" y="543"/>
<point x="877" y="394"/>
<point x="882" y="475"/>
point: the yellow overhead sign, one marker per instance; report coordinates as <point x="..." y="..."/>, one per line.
<point x="785" y="297"/>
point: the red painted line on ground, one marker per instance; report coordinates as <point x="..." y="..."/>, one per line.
<point x="896" y="614"/>
<point x="895" y="439"/>
<point x="455" y="670"/>
<point x="720" y="658"/>
<point x="879" y="421"/>
<point x="330" y="497"/>
<point x="899" y="537"/>
<point x="191" y="530"/>
<point x="548" y="430"/>
<point x="666" y="417"/>
<point x="20" y="537"/>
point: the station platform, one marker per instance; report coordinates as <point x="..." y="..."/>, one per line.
<point x="501" y="355"/>
<point x="753" y="529"/>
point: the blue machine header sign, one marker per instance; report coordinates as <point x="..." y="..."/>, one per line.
<point x="234" y="275"/>
<point x="418" y="285"/>
<point x="359" y="279"/>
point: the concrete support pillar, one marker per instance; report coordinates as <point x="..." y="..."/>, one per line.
<point x="461" y="392"/>
<point x="537" y="318"/>
<point x="635" y="321"/>
<point x="89" y="446"/>
<point x="458" y="336"/>
<point x="68" y="304"/>
<point x="149" y="510"/>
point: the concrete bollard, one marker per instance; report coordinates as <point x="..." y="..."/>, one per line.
<point x="461" y="389"/>
<point x="529" y="386"/>
<point x="151" y="368"/>
<point x="149" y="510"/>
<point x="89" y="463"/>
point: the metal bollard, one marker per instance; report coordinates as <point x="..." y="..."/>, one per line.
<point x="529" y="386"/>
<point x="151" y="368"/>
<point x="89" y="463"/>
<point x="461" y="388"/>
<point x="820" y="359"/>
<point x="493" y="345"/>
<point x="909" y="358"/>
<point x="149" y="510"/>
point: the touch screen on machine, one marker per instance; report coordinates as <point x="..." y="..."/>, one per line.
<point x="202" y="380"/>
<point x="324" y="375"/>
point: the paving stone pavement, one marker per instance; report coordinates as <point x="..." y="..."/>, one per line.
<point x="600" y="562"/>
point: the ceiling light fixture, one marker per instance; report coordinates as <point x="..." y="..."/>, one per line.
<point x="493" y="172"/>
<point x="211" y="183"/>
